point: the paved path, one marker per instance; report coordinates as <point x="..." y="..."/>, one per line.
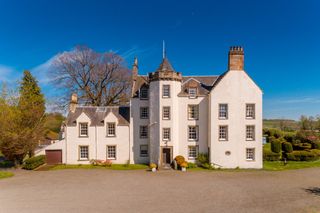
<point x="165" y="191"/>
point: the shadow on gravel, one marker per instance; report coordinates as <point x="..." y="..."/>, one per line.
<point x="313" y="190"/>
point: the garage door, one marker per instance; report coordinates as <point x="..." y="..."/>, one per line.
<point x="54" y="156"/>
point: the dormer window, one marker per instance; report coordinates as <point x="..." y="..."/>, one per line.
<point x="83" y="129"/>
<point x="144" y="93"/>
<point x="192" y="92"/>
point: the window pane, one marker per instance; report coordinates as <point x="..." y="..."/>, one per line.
<point x="250" y="132"/>
<point x="193" y="111"/>
<point x="144" y="112"/>
<point x="84" y="152"/>
<point x="193" y="132"/>
<point x="250" y="155"/>
<point x="193" y="152"/>
<point x="192" y="92"/>
<point x="223" y="111"/>
<point x="250" y="111"/>
<point x="166" y="134"/>
<point x="143" y="131"/>
<point x="144" y="93"/>
<point x="166" y="91"/>
<point x="144" y="150"/>
<point x="111" y="152"/>
<point x="166" y="113"/>
<point x="111" y="129"/>
<point x="83" y="129"/>
<point x="223" y="132"/>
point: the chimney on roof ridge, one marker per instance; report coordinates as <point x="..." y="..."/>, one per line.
<point x="73" y="102"/>
<point x="236" y="58"/>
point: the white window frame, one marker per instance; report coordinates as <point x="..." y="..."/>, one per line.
<point x="192" y="92"/>
<point x="166" y="113"/>
<point x="191" y="133"/>
<point x="109" y="152"/>
<point x="81" y="153"/>
<point x="250" y="132"/>
<point x="143" y="129"/>
<point x="166" y="134"/>
<point x="81" y="125"/>
<point x="250" y="111"/>
<point x="193" y="109"/>
<point x="223" y="112"/>
<point x="250" y="154"/>
<point x="144" y="112"/>
<point x="223" y="136"/>
<point x="146" y="154"/>
<point x="109" y="126"/>
<point x="166" y="91"/>
<point x="196" y="152"/>
<point x="144" y="90"/>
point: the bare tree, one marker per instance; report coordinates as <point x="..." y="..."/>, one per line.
<point x="99" y="79"/>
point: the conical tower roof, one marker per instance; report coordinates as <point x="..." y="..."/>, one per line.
<point x="165" y="66"/>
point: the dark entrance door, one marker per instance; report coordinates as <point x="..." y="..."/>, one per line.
<point x="166" y="156"/>
<point x="54" y="156"/>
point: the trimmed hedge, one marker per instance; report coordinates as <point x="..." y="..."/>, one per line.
<point x="276" y="146"/>
<point x="34" y="162"/>
<point x="270" y="156"/>
<point x="6" y="164"/>
<point x="316" y="145"/>
<point x="302" y="156"/>
<point x="287" y="147"/>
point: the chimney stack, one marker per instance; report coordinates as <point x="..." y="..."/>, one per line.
<point x="236" y="58"/>
<point x="73" y="102"/>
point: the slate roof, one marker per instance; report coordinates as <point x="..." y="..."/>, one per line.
<point x="98" y="114"/>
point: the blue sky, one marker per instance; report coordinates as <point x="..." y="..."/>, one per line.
<point x="281" y="41"/>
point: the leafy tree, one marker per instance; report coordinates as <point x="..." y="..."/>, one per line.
<point x="21" y="119"/>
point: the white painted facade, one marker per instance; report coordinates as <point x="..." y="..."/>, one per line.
<point x="234" y="88"/>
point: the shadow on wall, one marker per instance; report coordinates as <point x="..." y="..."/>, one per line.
<point x="313" y="190"/>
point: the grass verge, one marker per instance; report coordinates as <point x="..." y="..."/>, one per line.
<point x="5" y="174"/>
<point x="112" y="167"/>
<point x="279" y="165"/>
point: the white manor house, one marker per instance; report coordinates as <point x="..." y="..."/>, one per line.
<point x="169" y="115"/>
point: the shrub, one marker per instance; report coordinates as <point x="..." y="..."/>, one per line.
<point x="290" y="156"/>
<point x="152" y="165"/>
<point x="34" y="162"/>
<point x="184" y="164"/>
<point x="302" y="156"/>
<point x="202" y="158"/>
<point x="105" y="163"/>
<point x="276" y="146"/>
<point x="287" y="147"/>
<point x="289" y="136"/>
<point x="192" y="165"/>
<point x="316" y="152"/>
<point x="271" y="139"/>
<point x="207" y="166"/>
<point x="179" y="159"/>
<point x="6" y="164"/>
<point x="270" y="156"/>
<point x="316" y="145"/>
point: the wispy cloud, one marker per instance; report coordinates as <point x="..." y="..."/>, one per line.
<point x="134" y="51"/>
<point x="7" y="74"/>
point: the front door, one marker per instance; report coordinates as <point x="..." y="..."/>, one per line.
<point x="166" y="156"/>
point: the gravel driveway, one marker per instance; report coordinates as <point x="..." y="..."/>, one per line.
<point x="99" y="190"/>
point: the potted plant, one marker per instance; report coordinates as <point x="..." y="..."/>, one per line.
<point x="184" y="166"/>
<point x="153" y="167"/>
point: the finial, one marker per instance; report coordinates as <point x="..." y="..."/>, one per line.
<point x="135" y="61"/>
<point x="163" y="50"/>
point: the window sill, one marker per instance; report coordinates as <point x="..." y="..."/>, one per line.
<point x="223" y="140"/>
<point x="250" y="160"/>
<point x="193" y="140"/>
<point x="144" y="118"/>
<point x="250" y="139"/>
<point x="223" y="118"/>
<point x="111" y="136"/>
<point x="83" y="160"/>
<point x="193" y="119"/>
<point x="83" y="136"/>
<point x="250" y="118"/>
<point x="144" y="156"/>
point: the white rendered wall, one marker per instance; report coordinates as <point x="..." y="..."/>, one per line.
<point x="184" y="122"/>
<point x="236" y="89"/>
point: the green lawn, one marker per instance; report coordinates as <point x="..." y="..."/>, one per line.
<point x="279" y="165"/>
<point x="113" y="167"/>
<point x="5" y="174"/>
